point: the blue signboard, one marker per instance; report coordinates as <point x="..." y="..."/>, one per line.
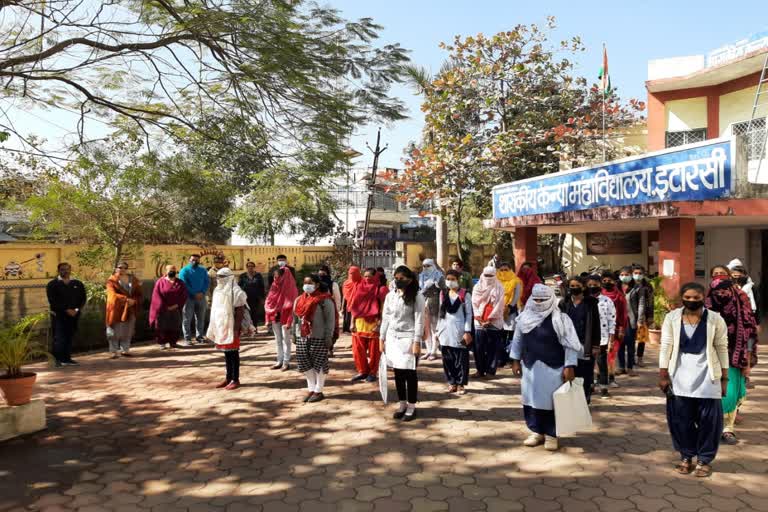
<point x="704" y="171"/>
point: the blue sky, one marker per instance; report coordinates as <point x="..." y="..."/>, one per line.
<point x="634" y="33"/>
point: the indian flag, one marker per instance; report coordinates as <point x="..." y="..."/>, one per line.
<point x="605" y="78"/>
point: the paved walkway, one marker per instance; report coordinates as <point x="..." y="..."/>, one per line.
<point x="150" y="433"/>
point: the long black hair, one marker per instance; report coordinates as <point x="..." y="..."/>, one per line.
<point x="410" y="291"/>
<point x="321" y="285"/>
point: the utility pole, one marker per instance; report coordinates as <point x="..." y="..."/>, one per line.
<point x="376" y="152"/>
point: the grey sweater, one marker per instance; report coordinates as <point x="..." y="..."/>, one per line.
<point x="323" y="323"/>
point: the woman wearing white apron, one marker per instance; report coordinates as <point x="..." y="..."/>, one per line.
<point x="402" y="328"/>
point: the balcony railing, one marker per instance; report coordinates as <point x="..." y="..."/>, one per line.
<point x="755" y="138"/>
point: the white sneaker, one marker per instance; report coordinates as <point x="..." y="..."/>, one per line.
<point x="185" y="343"/>
<point x="551" y="444"/>
<point x="534" y="440"/>
<point x="614" y="384"/>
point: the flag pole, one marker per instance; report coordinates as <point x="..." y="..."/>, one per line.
<point x="603" y="91"/>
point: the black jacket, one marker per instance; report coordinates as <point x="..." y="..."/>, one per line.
<point x="253" y="289"/>
<point x="63" y="296"/>
<point x="592" y="325"/>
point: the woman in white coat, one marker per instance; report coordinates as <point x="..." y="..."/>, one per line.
<point x="402" y="329"/>
<point x="693" y="372"/>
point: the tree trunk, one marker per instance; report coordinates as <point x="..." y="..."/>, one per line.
<point x="118" y="253"/>
<point x="441" y="231"/>
<point x="457" y="219"/>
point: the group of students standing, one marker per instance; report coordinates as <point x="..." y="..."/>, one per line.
<point x="600" y="326"/>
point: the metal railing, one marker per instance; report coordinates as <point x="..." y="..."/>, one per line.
<point x="754" y="138"/>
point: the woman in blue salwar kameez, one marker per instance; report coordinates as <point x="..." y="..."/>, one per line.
<point x="547" y="345"/>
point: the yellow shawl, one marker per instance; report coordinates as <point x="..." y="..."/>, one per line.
<point x="510" y="281"/>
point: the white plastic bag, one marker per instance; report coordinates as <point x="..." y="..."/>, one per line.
<point x="383" y="378"/>
<point x="571" y="410"/>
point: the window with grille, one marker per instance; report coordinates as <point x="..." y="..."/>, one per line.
<point x="754" y="136"/>
<point x="686" y="137"/>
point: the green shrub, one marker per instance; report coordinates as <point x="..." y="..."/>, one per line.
<point x="17" y="347"/>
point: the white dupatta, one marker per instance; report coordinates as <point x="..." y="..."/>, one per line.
<point x="226" y="297"/>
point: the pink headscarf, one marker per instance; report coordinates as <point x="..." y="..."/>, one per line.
<point x="281" y="297"/>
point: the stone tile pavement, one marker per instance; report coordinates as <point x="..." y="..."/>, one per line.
<point x="151" y="433"/>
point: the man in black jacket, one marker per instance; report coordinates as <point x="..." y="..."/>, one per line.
<point x="66" y="297"/>
<point x="252" y="283"/>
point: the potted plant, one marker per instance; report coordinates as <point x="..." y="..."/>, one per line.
<point x="18" y="348"/>
<point x="661" y="306"/>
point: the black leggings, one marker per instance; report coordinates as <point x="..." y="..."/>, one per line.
<point x="602" y="364"/>
<point x="232" y="360"/>
<point x="640" y="349"/>
<point x="407" y="383"/>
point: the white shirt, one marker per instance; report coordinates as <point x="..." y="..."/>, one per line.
<point x="607" y="319"/>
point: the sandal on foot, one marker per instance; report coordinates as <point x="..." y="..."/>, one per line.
<point x="684" y="467"/>
<point x="702" y="470"/>
<point x="730" y="438"/>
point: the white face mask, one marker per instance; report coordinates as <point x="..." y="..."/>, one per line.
<point x="282" y="263"/>
<point x="637" y="277"/>
<point x="452" y="284"/>
<point x="309" y="288"/>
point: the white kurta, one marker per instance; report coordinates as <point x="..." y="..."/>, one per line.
<point x="691" y="378"/>
<point x="402" y="325"/>
<point x="451" y="329"/>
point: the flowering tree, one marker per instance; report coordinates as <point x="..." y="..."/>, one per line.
<point x="503" y="108"/>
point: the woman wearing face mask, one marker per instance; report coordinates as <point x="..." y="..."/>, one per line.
<point x="168" y="299"/>
<point x="431" y="284"/>
<point x="743" y="282"/>
<point x="354" y="277"/>
<point x="124" y="296"/>
<point x="529" y="278"/>
<point x="488" y="308"/>
<point x="733" y="305"/>
<point x="365" y="307"/>
<point x="315" y="321"/>
<point x="613" y="292"/>
<point x="278" y="310"/>
<point x="402" y="328"/>
<point x="645" y="314"/>
<point x="454" y="332"/>
<point x="513" y="292"/>
<point x="693" y="372"/>
<point x="325" y="277"/>
<point x="638" y="309"/>
<point x="584" y="312"/>
<point x="607" y="328"/>
<point x="548" y="346"/>
<point x="228" y="307"/>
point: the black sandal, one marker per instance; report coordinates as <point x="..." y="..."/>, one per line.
<point x="702" y="470"/>
<point x="684" y="467"/>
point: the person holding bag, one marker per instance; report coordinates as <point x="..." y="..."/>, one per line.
<point x="693" y="372"/>
<point x="402" y="328"/>
<point x="315" y="321"/>
<point x="545" y="351"/>
<point x="488" y="308"/>
<point x="454" y="332"/>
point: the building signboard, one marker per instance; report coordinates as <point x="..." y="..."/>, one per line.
<point x="737" y="50"/>
<point x="695" y="172"/>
